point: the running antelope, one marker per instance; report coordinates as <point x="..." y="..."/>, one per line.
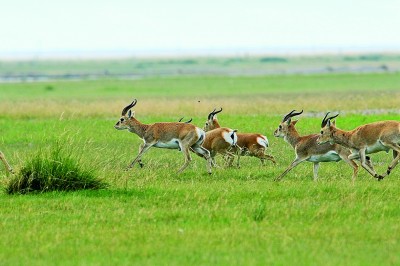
<point x="220" y="141"/>
<point x="248" y="144"/>
<point x="307" y="148"/>
<point x="365" y="139"/>
<point x="170" y="135"/>
<point x="6" y="164"/>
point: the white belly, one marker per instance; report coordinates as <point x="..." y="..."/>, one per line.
<point x="330" y="156"/>
<point x="172" y="144"/>
<point x="377" y="147"/>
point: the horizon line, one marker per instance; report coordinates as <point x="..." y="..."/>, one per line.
<point x="76" y="54"/>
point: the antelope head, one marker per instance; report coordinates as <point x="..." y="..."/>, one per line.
<point x="286" y="125"/>
<point x="126" y="116"/>
<point x="327" y="129"/>
<point x="212" y="121"/>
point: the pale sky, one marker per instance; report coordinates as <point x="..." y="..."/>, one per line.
<point x="49" y="26"/>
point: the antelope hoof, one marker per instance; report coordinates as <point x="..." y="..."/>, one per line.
<point x="380" y="177"/>
<point x="141" y="165"/>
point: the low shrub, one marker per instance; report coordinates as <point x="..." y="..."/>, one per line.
<point x="56" y="169"/>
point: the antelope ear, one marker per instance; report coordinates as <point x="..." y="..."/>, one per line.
<point x="295" y="122"/>
<point x="130" y="114"/>
<point x="289" y="121"/>
<point x="328" y="124"/>
<point x="334" y="123"/>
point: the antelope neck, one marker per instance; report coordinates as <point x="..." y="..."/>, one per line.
<point x="137" y="127"/>
<point x="341" y="137"/>
<point x="292" y="137"/>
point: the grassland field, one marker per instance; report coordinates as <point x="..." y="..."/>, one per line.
<point x="153" y="216"/>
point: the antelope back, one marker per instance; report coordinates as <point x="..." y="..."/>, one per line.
<point x="220" y="138"/>
<point x="252" y="139"/>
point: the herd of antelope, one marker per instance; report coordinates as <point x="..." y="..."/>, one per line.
<point x="330" y="145"/>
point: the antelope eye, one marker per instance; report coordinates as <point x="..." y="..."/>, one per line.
<point x="122" y="120"/>
<point x="322" y="132"/>
<point x="280" y="127"/>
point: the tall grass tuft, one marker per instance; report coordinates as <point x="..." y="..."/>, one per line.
<point x="260" y="212"/>
<point x="55" y="169"/>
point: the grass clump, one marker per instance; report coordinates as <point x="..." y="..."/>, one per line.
<point x="53" y="170"/>
<point x="259" y="213"/>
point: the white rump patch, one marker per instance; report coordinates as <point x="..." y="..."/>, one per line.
<point x="230" y="137"/>
<point x="201" y="135"/>
<point x="263" y="141"/>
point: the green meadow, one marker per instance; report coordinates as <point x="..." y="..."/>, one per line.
<point x="154" y="216"/>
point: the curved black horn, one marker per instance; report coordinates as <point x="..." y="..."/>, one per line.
<point x="126" y="109"/>
<point x="210" y="115"/>
<point x="286" y="117"/>
<point x="291" y="114"/>
<point x="217" y="111"/>
<point x="186" y="122"/>
<point x="295" y="114"/>
<point x="324" y="120"/>
<point x="332" y="117"/>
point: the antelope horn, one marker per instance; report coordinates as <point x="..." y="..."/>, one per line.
<point x="291" y="114"/>
<point x="126" y="109"/>
<point x="214" y="113"/>
<point x="326" y="119"/>
<point x="187" y="122"/>
<point x="211" y="115"/>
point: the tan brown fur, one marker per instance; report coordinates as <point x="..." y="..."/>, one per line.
<point x="247" y="144"/>
<point x="365" y="139"/>
<point x="307" y="148"/>
<point x="171" y="135"/>
<point x="6" y="164"/>
<point x="217" y="144"/>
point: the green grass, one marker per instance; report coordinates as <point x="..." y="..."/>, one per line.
<point x="57" y="169"/>
<point x="154" y="216"/>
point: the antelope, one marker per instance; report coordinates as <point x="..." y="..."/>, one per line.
<point x="365" y="139"/>
<point x="248" y="144"/>
<point x="220" y="141"/>
<point x="307" y="149"/>
<point x="169" y="135"/>
<point x="6" y="164"/>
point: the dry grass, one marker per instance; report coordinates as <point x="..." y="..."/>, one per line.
<point x="175" y="108"/>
